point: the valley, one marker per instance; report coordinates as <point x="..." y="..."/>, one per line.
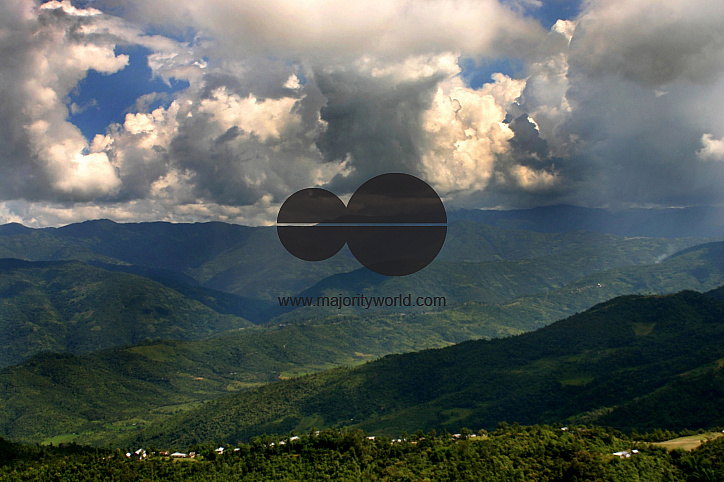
<point x="131" y="339"/>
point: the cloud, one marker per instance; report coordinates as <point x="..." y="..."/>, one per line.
<point x="320" y="29"/>
<point x="41" y="213"/>
<point x="595" y="94"/>
<point x="465" y="133"/>
<point x="712" y="150"/>
<point x="532" y="180"/>
<point x="251" y="129"/>
<point x="250" y="116"/>
<point x="284" y="96"/>
<point x="653" y="42"/>
<point x="48" y="52"/>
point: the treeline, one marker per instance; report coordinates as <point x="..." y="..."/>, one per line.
<point x="511" y="452"/>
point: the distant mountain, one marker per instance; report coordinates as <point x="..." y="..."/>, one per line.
<point x="628" y="355"/>
<point x="68" y="306"/>
<point x="705" y="221"/>
<point x="11" y="229"/>
<point x="252" y="263"/>
<point x="578" y="271"/>
<point x="242" y="260"/>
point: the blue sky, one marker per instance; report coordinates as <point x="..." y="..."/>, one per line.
<point x="550" y="11"/>
<point x="105" y="99"/>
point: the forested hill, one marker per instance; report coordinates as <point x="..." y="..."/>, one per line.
<point x="598" y="365"/>
<point x="68" y="306"/>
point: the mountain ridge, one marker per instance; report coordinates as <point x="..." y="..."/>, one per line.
<point x="696" y="221"/>
<point x="71" y="306"/>
<point x="538" y="376"/>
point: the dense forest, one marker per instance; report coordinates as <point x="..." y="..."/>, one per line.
<point x="634" y="362"/>
<point x="511" y="452"/>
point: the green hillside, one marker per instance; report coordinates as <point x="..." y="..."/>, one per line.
<point x="595" y="363"/>
<point x="98" y="395"/>
<point x="77" y="308"/>
<point x="253" y="309"/>
<point x="470" y="241"/>
<point x="165" y="377"/>
<point x="555" y="272"/>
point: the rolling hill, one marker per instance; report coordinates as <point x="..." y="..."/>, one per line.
<point x="140" y="282"/>
<point x="602" y="364"/>
<point x="163" y="377"/>
<point x="68" y="306"/>
<point x="528" y="294"/>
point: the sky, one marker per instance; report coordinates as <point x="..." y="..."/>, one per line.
<point x="188" y="111"/>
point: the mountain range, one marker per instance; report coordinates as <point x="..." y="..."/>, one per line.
<point x="101" y="394"/>
<point x="229" y="276"/>
<point x="697" y="221"/>
<point x="109" y="331"/>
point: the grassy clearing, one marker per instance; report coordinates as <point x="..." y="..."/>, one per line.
<point x="643" y="329"/>
<point x="688" y="443"/>
<point x="60" y="439"/>
<point x="581" y="381"/>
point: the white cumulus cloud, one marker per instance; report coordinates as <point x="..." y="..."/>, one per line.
<point x="712" y="149"/>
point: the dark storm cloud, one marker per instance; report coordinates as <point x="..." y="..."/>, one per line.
<point x="375" y="121"/>
<point x="651" y="42"/>
<point x="526" y="138"/>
